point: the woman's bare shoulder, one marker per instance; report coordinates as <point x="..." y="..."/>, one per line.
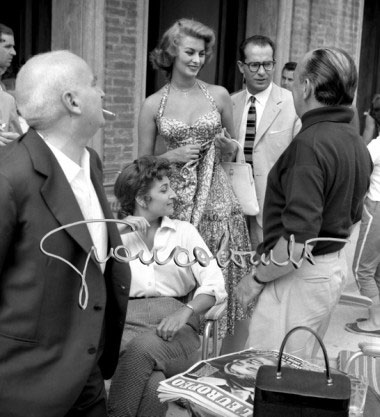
<point x="152" y="102"/>
<point x="217" y="90"/>
<point x="219" y="93"/>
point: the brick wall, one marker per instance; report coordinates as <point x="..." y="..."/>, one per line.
<point x="314" y="23"/>
<point x="325" y="23"/>
<point x="120" y="73"/>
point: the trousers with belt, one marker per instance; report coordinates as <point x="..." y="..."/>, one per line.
<point x="304" y="297"/>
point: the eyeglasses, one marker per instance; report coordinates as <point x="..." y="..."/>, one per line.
<point x="255" y="66"/>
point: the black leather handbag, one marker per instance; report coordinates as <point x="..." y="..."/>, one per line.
<point x="291" y="392"/>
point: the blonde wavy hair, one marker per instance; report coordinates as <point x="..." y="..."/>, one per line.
<point x="163" y="56"/>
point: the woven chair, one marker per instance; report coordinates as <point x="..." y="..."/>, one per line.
<point x="211" y="330"/>
<point x="365" y="361"/>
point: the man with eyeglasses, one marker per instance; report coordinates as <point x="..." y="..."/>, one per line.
<point x="314" y="196"/>
<point x="264" y="127"/>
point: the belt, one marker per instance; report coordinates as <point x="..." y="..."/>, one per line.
<point x="183" y="299"/>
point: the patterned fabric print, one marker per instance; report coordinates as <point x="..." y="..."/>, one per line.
<point x="204" y="195"/>
<point x="184" y="177"/>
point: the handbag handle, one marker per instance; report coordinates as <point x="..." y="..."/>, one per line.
<point x="328" y="376"/>
<point x="240" y="152"/>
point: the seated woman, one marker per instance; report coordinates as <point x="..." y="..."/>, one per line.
<point x="161" y="332"/>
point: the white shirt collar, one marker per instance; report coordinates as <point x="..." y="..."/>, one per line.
<point x="262" y="96"/>
<point x="69" y="167"/>
<point x="167" y="222"/>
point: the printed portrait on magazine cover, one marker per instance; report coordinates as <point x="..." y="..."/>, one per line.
<point x="235" y="373"/>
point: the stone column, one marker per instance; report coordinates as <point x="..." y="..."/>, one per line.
<point x="79" y="26"/>
<point x="283" y="37"/>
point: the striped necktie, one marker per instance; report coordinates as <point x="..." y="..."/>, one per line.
<point x="250" y="132"/>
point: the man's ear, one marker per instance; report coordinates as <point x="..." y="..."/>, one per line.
<point x="241" y="67"/>
<point x="140" y="201"/>
<point x="71" y="102"/>
<point x="308" y="89"/>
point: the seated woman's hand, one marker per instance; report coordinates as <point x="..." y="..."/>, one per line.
<point x="184" y="154"/>
<point x="227" y="146"/>
<point x="138" y="223"/>
<point x="171" y="324"/>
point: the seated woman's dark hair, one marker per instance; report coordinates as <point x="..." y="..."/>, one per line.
<point x="136" y="179"/>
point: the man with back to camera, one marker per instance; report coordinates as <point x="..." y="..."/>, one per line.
<point x="60" y="334"/>
<point x="315" y="190"/>
<point x="265" y="126"/>
<point x="287" y="75"/>
<point x="10" y="128"/>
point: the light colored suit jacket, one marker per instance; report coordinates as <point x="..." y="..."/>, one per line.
<point x="8" y="113"/>
<point x="278" y="126"/>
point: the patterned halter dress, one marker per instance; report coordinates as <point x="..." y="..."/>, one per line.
<point x="204" y="195"/>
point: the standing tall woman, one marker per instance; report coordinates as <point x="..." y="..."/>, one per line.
<point x="194" y="119"/>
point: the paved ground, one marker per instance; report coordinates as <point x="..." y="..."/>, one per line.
<point x="336" y="338"/>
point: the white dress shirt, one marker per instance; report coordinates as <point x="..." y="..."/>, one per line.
<point x="260" y="103"/>
<point x="79" y="178"/>
<point x="171" y="280"/>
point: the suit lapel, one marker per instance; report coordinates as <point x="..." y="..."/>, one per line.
<point x="56" y="190"/>
<point x="271" y="110"/>
<point x="238" y="110"/>
<point x="121" y="270"/>
<point x="113" y="234"/>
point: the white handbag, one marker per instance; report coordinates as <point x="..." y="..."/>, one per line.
<point x="241" y="178"/>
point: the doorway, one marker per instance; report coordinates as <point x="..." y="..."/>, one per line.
<point x="369" y="76"/>
<point x="225" y="17"/>
<point x="30" y="21"/>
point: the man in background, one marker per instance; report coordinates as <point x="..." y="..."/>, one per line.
<point x="315" y="190"/>
<point x="10" y="127"/>
<point x="61" y="320"/>
<point x="265" y="117"/>
<point x="287" y="75"/>
<point x="7" y="50"/>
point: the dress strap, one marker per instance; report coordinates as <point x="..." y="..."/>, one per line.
<point x="164" y="99"/>
<point x="203" y="87"/>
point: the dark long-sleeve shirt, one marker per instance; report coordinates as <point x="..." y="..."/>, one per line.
<point x="317" y="186"/>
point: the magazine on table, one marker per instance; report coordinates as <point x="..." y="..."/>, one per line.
<point x="225" y="385"/>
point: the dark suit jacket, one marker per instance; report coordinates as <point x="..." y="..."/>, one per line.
<point x="48" y="344"/>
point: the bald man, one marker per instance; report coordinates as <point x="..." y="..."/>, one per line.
<point x="60" y="332"/>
